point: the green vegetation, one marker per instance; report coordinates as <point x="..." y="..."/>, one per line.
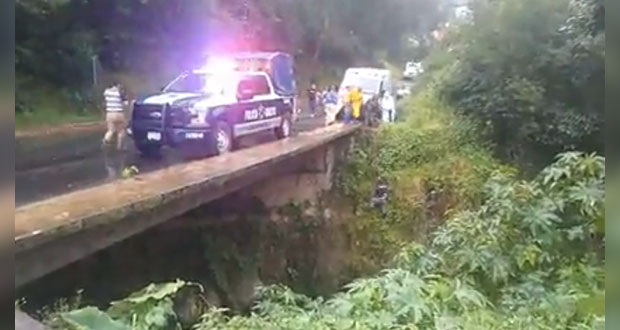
<point x="466" y="244"/>
<point x="153" y="307"/>
<point x="435" y="164"/>
<point x="53" y="117"/>
<point x="44" y="105"/>
<point x="470" y="240"/>
<point x="523" y="260"/>
<point x="527" y="258"/>
<point x="498" y="253"/>
<point x="534" y="71"/>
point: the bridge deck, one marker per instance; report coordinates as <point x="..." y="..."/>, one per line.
<point x="40" y="225"/>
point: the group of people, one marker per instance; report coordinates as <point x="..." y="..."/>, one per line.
<point x="326" y="100"/>
<point x="353" y="102"/>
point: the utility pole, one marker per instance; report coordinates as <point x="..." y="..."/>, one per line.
<point x="94" y="68"/>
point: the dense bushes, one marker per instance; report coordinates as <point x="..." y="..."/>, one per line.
<point x="523" y="260"/>
<point x="527" y="258"/>
<point x="475" y="246"/>
<point x="435" y="164"/>
<point x="465" y="244"/>
<point x="534" y="71"/>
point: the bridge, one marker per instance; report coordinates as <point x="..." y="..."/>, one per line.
<point x="55" y="232"/>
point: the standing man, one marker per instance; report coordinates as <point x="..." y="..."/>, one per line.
<point x="312" y="99"/>
<point x="330" y="100"/>
<point x="115" y="116"/>
<point x="388" y="107"/>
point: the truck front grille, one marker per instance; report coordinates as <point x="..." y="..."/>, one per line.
<point x="150" y="112"/>
<point x="178" y="117"/>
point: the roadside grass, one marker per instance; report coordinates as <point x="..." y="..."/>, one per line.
<point x="52" y="118"/>
<point x="40" y="104"/>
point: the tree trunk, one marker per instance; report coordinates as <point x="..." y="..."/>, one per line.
<point x="324" y="28"/>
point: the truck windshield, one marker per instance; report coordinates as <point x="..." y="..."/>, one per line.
<point x="199" y="83"/>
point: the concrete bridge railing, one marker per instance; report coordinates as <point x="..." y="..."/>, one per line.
<point x="55" y="232"/>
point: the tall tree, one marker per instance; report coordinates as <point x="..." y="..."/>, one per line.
<point x="534" y="71"/>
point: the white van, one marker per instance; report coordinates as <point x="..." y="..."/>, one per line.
<point x="372" y="81"/>
<point x="412" y="70"/>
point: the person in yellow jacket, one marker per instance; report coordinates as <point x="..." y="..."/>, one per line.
<point x="355" y="99"/>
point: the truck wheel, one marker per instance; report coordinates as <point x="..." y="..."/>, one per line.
<point x="149" y="150"/>
<point x="284" y="130"/>
<point x="222" y="137"/>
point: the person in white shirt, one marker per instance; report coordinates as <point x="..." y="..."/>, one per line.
<point x="388" y="108"/>
<point x="330" y="100"/>
<point x="115" y="116"/>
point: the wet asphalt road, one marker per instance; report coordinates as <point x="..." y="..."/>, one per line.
<point x="58" y="178"/>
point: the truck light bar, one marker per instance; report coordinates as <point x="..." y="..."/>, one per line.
<point x="223" y="65"/>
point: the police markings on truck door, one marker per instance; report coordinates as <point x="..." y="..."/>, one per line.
<point x="260" y="113"/>
<point x="258" y="119"/>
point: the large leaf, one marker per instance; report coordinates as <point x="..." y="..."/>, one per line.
<point x="155" y="291"/>
<point x="91" y="318"/>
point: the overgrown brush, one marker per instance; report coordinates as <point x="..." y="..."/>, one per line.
<point x="512" y="254"/>
<point x="525" y="259"/>
<point x="435" y="164"/>
<point x="534" y="71"/>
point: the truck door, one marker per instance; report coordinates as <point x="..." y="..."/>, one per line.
<point x="257" y="109"/>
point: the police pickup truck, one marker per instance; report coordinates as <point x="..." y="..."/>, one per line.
<point x="210" y="108"/>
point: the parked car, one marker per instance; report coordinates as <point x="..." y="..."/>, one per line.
<point x="207" y="109"/>
<point x="412" y="70"/>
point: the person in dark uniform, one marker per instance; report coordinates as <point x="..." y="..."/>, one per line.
<point x="380" y="195"/>
<point x="312" y="99"/>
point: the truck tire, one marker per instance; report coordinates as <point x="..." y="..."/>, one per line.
<point x="223" y="140"/>
<point x="149" y="150"/>
<point x="284" y="130"/>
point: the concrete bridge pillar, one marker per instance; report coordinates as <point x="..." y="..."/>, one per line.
<point x="315" y="175"/>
